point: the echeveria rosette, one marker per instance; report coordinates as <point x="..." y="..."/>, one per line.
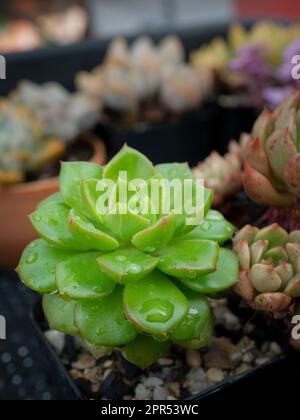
<point x="249" y="71"/>
<point x="285" y="83"/>
<point x="269" y="260"/>
<point x="272" y="163"/>
<point x="132" y="282"/>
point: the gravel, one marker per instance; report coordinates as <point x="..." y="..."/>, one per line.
<point x="235" y="349"/>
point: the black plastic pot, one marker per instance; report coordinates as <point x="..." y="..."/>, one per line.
<point x="230" y="122"/>
<point x="187" y="139"/>
<point x="252" y="383"/>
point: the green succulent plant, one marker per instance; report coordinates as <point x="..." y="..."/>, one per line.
<point x="272" y="162"/>
<point x="269" y="260"/>
<point x="132" y="282"/>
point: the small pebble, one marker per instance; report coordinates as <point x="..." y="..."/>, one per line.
<point x="231" y="321"/>
<point x="261" y="361"/>
<point x="215" y="376"/>
<point x="193" y="358"/>
<point x="57" y="340"/>
<point x="76" y="374"/>
<point x="165" y="362"/>
<point x="153" y="382"/>
<point x="94" y="375"/>
<point x="159" y="394"/>
<point x="242" y="369"/>
<point x="174" y="388"/>
<point x="248" y="358"/>
<point x="171" y="398"/>
<point x="142" y="393"/>
<point x="275" y="349"/>
<point x="85" y="361"/>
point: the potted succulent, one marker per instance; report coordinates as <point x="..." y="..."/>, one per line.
<point x="141" y="285"/>
<point x="151" y="97"/>
<point x="33" y="139"/>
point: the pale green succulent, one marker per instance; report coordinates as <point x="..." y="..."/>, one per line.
<point x="136" y="282"/>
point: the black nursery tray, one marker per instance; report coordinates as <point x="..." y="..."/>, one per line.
<point x="187" y="139"/>
<point x="252" y="384"/>
<point x="27" y="369"/>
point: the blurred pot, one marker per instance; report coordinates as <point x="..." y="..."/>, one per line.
<point x="18" y="201"/>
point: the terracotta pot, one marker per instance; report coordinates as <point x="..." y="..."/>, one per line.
<point x="18" y="201"/>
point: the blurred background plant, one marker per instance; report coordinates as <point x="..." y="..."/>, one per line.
<point x="146" y="81"/>
<point x="253" y="65"/>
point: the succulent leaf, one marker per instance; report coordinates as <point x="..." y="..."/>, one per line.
<point x="131" y="161"/>
<point x="37" y="266"/>
<point x="103" y="323"/>
<point x="225" y="276"/>
<point x="194" y="322"/>
<point x="71" y="175"/>
<point x="280" y="149"/>
<point x="188" y="259"/>
<point x="272" y="302"/>
<point x="51" y="223"/>
<point x="80" y="278"/>
<point x="157" y="236"/>
<point x="60" y="314"/>
<point x="293" y="287"/>
<point x="292" y="175"/>
<point x="127" y="265"/>
<point x="261" y="190"/>
<point x="155" y="305"/>
<point x="214" y="227"/>
<point x="89" y="235"/>
<point x="274" y="234"/>
<point x="264" y="278"/>
<point x="144" y="351"/>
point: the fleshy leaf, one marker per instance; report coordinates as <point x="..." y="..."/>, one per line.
<point x="51" y="223"/>
<point x="205" y="336"/>
<point x="223" y="278"/>
<point x="265" y="279"/>
<point x="60" y="314"/>
<point x="155" y="305"/>
<point x="172" y="171"/>
<point x="131" y="161"/>
<point x="272" y="302"/>
<point x="263" y="126"/>
<point x="71" y="175"/>
<point x="90" y="196"/>
<point x="37" y="266"/>
<point x="80" y="278"/>
<point x="280" y="149"/>
<point x="188" y="259"/>
<point x="260" y="189"/>
<point x="157" y="236"/>
<point x="193" y="324"/>
<point x="125" y="226"/>
<point x="292" y="174"/>
<point x="293" y="287"/>
<point x="103" y="323"/>
<point x="88" y="235"/>
<point x="215" y="227"/>
<point x="127" y="265"/>
<point x="144" y="351"/>
<point x="97" y="351"/>
<point x="274" y="234"/>
<point x="54" y="198"/>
